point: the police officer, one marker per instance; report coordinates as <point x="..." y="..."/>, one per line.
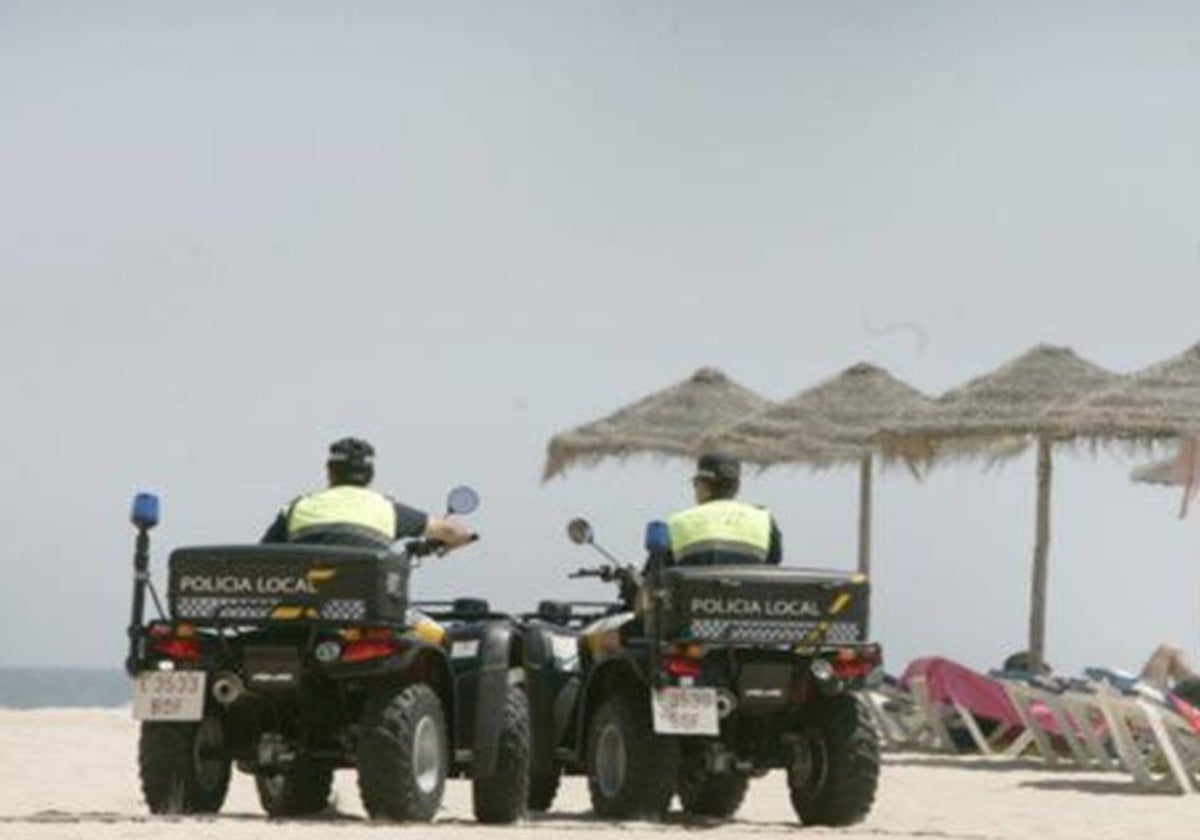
<point x="720" y="529"/>
<point x="348" y="512"/>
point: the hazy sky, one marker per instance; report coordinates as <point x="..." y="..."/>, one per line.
<point x="229" y="235"/>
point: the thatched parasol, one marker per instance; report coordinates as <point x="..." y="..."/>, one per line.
<point x="1157" y="403"/>
<point x="1167" y="472"/>
<point x="832" y="423"/>
<point x="1180" y="470"/>
<point x="1006" y="404"/>
<point x="667" y="422"/>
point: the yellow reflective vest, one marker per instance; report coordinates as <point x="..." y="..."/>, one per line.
<point x="343" y="506"/>
<point x="723" y="530"/>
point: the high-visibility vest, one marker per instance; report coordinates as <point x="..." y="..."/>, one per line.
<point x="720" y="531"/>
<point x="345" y="507"/>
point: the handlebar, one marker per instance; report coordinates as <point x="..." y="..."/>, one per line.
<point x="423" y="548"/>
<point x="607" y="573"/>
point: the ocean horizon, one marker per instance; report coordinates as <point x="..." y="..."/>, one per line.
<point x="40" y="688"/>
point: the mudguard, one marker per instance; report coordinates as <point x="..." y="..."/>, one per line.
<point x="552" y="689"/>
<point x="398" y="662"/>
<point x="489" y="703"/>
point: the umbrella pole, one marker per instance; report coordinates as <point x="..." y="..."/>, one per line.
<point x="864" y="515"/>
<point x="1041" y="548"/>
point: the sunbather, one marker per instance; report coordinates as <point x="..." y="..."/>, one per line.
<point x="1022" y="662"/>
<point x="1168" y="669"/>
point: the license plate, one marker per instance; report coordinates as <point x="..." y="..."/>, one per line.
<point x="169" y="695"/>
<point x="685" y="711"/>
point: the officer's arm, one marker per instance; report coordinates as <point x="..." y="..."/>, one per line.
<point x="775" y="549"/>
<point x="411" y="522"/>
<point x="447" y="531"/>
<point x="277" y="533"/>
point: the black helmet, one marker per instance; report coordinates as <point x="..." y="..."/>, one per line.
<point x="718" y="467"/>
<point x="351" y="461"/>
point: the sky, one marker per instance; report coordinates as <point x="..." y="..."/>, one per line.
<point x="230" y="234"/>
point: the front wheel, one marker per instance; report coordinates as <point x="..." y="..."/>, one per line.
<point x="299" y="791"/>
<point x="181" y="767"/>
<point x="631" y="770"/>
<point x="543" y="787"/>
<point x="402" y="754"/>
<point x="501" y="797"/>
<point x="835" y="765"/>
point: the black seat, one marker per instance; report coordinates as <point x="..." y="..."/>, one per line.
<point x="558" y="612"/>
<point x="471" y="606"/>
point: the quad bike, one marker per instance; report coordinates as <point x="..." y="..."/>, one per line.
<point x="290" y="661"/>
<point x="699" y="679"/>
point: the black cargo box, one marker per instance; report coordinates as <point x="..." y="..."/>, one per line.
<point x="253" y="583"/>
<point x="764" y="605"/>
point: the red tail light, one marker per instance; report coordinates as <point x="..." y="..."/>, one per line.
<point x="364" y="649"/>
<point x="187" y="650"/>
<point x="681" y="666"/>
<point x="851" y="663"/>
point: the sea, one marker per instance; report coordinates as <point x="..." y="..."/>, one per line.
<point x="38" y="688"/>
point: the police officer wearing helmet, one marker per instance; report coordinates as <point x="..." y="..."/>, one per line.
<point x="349" y="512"/>
<point x="720" y="530"/>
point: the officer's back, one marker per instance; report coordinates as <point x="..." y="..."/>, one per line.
<point x="719" y="529"/>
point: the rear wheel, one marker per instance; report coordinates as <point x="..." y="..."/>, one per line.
<point x="631" y="771"/>
<point x="300" y="790"/>
<point x="181" y="768"/>
<point x="835" y="765"/>
<point x="501" y="797"/>
<point x="708" y="794"/>
<point x="402" y="754"/>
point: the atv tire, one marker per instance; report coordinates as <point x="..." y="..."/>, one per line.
<point x="299" y="791"/>
<point x="176" y="778"/>
<point x="835" y="768"/>
<point x="403" y="754"/>
<point x="706" y="794"/>
<point x="502" y="796"/>
<point x="631" y="771"/>
<point x="543" y="787"/>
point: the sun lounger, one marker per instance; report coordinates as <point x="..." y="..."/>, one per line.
<point x="1155" y="734"/>
<point x="899" y="719"/>
<point x="1063" y="726"/>
<point x="953" y="697"/>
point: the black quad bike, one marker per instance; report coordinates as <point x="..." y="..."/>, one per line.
<point x="699" y="679"/>
<point x="292" y="661"/>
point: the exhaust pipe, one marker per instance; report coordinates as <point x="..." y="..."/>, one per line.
<point x="227" y="688"/>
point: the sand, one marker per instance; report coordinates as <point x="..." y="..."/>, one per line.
<point x="72" y="773"/>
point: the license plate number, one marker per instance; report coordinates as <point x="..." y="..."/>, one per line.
<point x="685" y="711"/>
<point x="169" y="695"/>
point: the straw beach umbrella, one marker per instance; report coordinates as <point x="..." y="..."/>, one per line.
<point x="1180" y="470"/>
<point x="1168" y="472"/>
<point x="832" y="423"/>
<point x="668" y="422"/>
<point x="1006" y="405"/>
<point x="1155" y="404"/>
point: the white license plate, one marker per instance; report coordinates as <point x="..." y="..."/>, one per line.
<point x="169" y="695"/>
<point x="685" y="711"/>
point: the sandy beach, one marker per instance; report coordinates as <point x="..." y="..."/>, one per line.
<point x="71" y="773"/>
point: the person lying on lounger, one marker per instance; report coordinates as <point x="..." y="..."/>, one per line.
<point x="1169" y="669"/>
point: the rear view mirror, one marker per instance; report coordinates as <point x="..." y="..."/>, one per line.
<point x="145" y="511"/>
<point x="462" y="499"/>
<point x="579" y="530"/>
